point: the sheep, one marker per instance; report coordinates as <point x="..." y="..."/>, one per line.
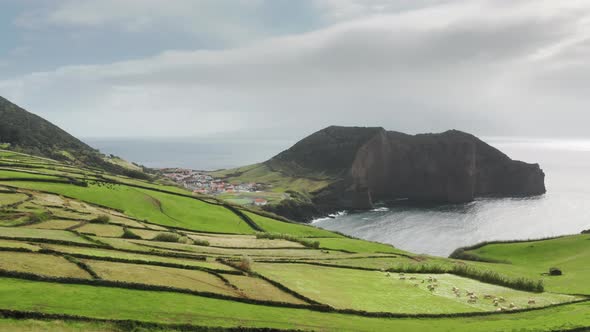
<point x="434" y="280"/>
<point x="496" y="304"/>
<point x="416" y="285"/>
<point x="500" y="309"/>
<point x="473" y="297"/>
<point x="387" y="274"/>
<point x="532" y="301"/>
<point x="412" y="278"/>
<point x="422" y="281"/>
<point x="469" y="293"/>
<point x="471" y="301"/>
<point x="512" y="305"/>
<point x="458" y="294"/>
<point x="487" y="296"/>
<point x="401" y="277"/>
<point x="502" y="299"/>
<point x="455" y="289"/>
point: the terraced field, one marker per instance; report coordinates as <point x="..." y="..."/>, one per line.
<point x="82" y="244"/>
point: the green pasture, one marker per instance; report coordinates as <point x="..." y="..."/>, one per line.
<point x="276" y="226"/>
<point x="378" y="291"/>
<point x="173" y="308"/>
<point x="532" y="259"/>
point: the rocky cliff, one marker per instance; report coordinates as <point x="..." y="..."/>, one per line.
<point x="371" y="164"/>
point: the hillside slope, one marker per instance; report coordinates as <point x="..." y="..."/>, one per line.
<point x="26" y="132"/>
<point x="82" y="249"/>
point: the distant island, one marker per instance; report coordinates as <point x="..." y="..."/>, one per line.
<point x="341" y="168"/>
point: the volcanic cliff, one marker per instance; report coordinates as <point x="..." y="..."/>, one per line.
<point x="368" y="165"/>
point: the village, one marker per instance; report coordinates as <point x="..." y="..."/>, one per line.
<point x="199" y="182"/>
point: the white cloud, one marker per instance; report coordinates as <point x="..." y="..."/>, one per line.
<point x="488" y="67"/>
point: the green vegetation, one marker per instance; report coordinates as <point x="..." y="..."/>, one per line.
<point x="533" y="259"/>
<point x="278" y="182"/>
<point x="115" y="303"/>
<point x="142" y="251"/>
<point x="273" y="236"/>
<point x="275" y="226"/>
<point x="377" y="291"/>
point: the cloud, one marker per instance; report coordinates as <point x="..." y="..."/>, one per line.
<point x="482" y="66"/>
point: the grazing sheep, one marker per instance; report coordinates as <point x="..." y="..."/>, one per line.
<point x="469" y="293"/>
<point x="487" y="296"/>
<point x="496" y="304"/>
<point x="412" y="278"/>
<point x="455" y="289"/>
<point x="531" y="302"/>
<point x="416" y="285"/>
<point x="458" y="294"/>
<point x="434" y="280"/>
<point x="500" y="309"/>
<point x="402" y="277"/>
<point x="512" y="305"/>
<point x="502" y="299"/>
<point x="473" y="297"/>
<point x="422" y="281"/>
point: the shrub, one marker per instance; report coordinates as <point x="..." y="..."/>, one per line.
<point x="102" y="219"/>
<point x="128" y="234"/>
<point x="245" y="264"/>
<point x="200" y="242"/>
<point x="586" y="231"/>
<point x="555" y="271"/>
<point x="167" y="237"/>
<point x="39" y="217"/>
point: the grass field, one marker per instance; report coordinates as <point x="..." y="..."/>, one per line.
<point x="50" y="234"/>
<point x="114" y="303"/>
<point x="533" y="259"/>
<point x="101" y="230"/>
<point x="54" y="224"/>
<point x="160" y="208"/>
<point x="377" y="291"/>
<point x="161" y="276"/>
<point x="244" y="241"/>
<point x="188" y="266"/>
<point x="46" y="265"/>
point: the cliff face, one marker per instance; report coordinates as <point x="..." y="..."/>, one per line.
<point x="380" y="165"/>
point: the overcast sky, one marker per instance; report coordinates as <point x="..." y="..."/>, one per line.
<point x="285" y="68"/>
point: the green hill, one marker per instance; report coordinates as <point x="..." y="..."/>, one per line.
<point x="352" y="168"/>
<point x="81" y="249"/>
<point x="26" y="132"/>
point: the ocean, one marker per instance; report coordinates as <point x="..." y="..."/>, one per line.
<point x="434" y="230"/>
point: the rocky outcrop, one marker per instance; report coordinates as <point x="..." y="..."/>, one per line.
<point x="372" y="164"/>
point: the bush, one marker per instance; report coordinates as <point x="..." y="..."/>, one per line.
<point x="39" y="217"/>
<point x="586" y="231"/>
<point x="555" y="271"/>
<point x="245" y="264"/>
<point x="200" y="242"/>
<point x="167" y="237"/>
<point x="128" y="234"/>
<point x="102" y="219"/>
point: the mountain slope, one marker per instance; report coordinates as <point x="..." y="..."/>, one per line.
<point x="26" y="132"/>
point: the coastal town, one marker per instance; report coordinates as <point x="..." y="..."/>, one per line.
<point x="199" y="182"/>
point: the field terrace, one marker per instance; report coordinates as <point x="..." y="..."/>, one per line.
<point x="79" y="247"/>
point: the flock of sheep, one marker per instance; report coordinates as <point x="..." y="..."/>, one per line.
<point x="472" y="297"/>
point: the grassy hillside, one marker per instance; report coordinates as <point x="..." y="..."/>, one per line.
<point x="81" y="249"/>
<point x="26" y="132"/>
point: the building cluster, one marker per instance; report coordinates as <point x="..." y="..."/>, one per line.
<point x="203" y="183"/>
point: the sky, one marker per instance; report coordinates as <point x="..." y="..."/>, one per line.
<point x="282" y="68"/>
